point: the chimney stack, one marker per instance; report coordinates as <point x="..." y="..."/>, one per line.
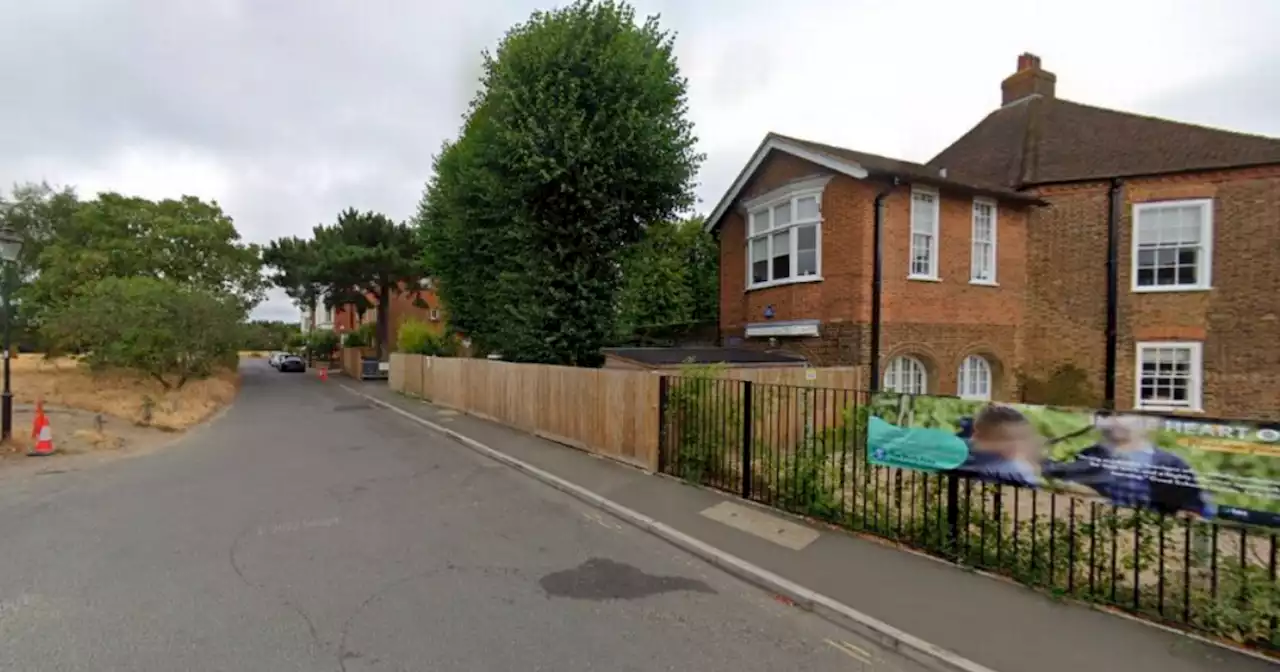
<point x="1029" y="80"/>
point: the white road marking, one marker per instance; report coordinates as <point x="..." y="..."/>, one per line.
<point x="297" y="526"/>
<point x="596" y="518"/>
<point x="753" y="521"/>
<point x="861" y="655"/>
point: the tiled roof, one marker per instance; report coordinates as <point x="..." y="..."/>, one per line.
<point x="1041" y="140"/>
<point x="908" y="171"/>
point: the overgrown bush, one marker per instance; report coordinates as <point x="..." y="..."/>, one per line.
<point x="170" y="332"/>
<point x="321" y="343"/>
<point x="362" y="336"/>
<point x="296" y="342"/>
<point x="705" y="424"/>
<point x="419" y="338"/>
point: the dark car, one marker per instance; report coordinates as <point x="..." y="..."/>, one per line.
<point x="292" y="363"/>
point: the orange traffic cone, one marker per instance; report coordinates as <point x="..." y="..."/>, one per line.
<point x="324" y="373"/>
<point x="42" y="432"/>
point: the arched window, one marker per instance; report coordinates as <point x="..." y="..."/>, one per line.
<point x="906" y="375"/>
<point x="975" y="378"/>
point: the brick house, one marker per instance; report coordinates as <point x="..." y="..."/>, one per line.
<point x="404" y="307"/>
<point x="1011" y="258"/>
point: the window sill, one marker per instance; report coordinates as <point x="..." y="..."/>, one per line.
<point x="1163" y="289"/>
<point x="924" y="278"/>
<point x="1168" y="409"/>
<point x="984" y="283"/>
<point x="802" y="280"/>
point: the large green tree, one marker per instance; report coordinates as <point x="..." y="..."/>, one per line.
<point x="364" y="259"/>
<point x="578" y="138"/>
<point x="37" y="213"/>
<point x="670" y="278"/>
<point x="186" y="241"/>
<point x="294" y="267"/>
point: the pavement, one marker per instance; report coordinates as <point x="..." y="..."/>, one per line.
<point x="988" y="622"/>
<point x="308" y="529"/>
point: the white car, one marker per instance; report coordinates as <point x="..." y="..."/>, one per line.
<point x="292" y="363"/>
<point x="275" y="358"/>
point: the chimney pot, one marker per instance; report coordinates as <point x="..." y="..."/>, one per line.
<point x="1028" y="61"/>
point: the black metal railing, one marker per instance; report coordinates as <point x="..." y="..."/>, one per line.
<point x="803" y="450"/>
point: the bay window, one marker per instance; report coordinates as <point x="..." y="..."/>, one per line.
<point x="784" y="239"/>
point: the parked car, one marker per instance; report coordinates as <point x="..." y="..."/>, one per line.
<point x="274" y="359"/>
<point x="292" y="363"/>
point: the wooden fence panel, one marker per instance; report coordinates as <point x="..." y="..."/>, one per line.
<point x="836" y="377"/>
<point x="612" y="413"/>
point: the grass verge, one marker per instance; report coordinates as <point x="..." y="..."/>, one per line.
<point x="124" y="394"/>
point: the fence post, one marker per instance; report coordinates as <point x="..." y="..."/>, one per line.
<point x="747" y="439"/>
<point x="953" y="515"/>
<point x="663" y="393"/>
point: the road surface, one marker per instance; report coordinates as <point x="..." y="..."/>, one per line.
<point x="305" y="530"/>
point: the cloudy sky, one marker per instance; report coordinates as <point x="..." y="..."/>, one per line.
<point x="286" y="111"/>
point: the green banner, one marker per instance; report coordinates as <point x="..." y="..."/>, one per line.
<point x="1204" y="467"/>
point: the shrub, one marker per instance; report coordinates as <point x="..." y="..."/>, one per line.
<point x="321" y="343"/>
<point x="296" y="342"/>
<point x="170" y="332"/>
<point x="419" y="338"/>
<point x="361" y="337"/>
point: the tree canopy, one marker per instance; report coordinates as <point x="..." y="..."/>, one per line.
<point x="294" y="264"/>
<point x="361" y="260"/>
<point x="670" y="277"/>
<point x="576" y="141"/>
<point x="268" y="334"/>
<point x="157" y="286"/>
<point x="187" y="241"/>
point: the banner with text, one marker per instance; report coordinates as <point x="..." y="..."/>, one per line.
<point x="1211" y="468"/>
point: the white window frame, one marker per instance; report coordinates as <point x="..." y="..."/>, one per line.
<point x="434" y="314"/>
<point x="973" y="245"/>
<point x="964" y="380"/>
<point x="901" y="365"/>
<point x="1195" y="388"/>
<point x="792" y="195"/>
<point x="1204" y="267"/>
<point x="935" y="235"/>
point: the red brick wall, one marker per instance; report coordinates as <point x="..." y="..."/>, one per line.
<point x="1066" y="318"/>
<point x="1238" y="320"/>
<point x="402" y="309"/>
<point x="939" y="322"/>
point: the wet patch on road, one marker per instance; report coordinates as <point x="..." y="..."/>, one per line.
<point x="602" y="579"/>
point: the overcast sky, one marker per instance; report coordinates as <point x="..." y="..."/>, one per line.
<point x="287" y="111"/>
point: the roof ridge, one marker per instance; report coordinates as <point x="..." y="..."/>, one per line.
<point x="847" y="149"/>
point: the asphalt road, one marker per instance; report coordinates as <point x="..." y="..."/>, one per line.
<point x="305" y="530"/>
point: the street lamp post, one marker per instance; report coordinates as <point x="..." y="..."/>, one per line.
<point x="10" y="248"/>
